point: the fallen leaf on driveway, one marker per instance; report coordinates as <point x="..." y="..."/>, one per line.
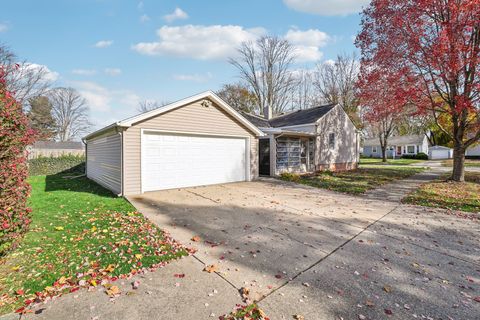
<point x="179" y="275"/>
<point x="477" y="299"/>
<point x="211" y="268"/>
<point x="113" y="291"/>
<point x="196" y="239"/>
<point x="135" y="284"/>
<point x="369" y="303"/>
<point x="387" y="289"/>
<point x="298" y="317"/>
<point x="388" y="311"/>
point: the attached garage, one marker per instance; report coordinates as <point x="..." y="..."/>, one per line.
<point x="196" y="141"/>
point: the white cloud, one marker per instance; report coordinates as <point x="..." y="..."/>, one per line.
<point x="102" y="99"/>
<point x="144" y="18"/>
<point x="84" y="72"/>
<point x="193" y="77"/>
<point x="140" y="5"/>
<point x="177" y="14"/>
<point x="327" y="7"/>
<point x="103" y="43"/>
<point x="198" y="42"/>
<point x="112" y="71"/>
<point x="49" y="75"/>
<point x="3" y="27"/>
<point x="307" y="43"/>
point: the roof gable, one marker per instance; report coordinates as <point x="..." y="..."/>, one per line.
<point x="208" y="95"/>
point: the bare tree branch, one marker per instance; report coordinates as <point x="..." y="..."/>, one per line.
<point x="70" y="112"/>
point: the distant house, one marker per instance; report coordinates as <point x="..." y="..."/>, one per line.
<point x="397" y="146"/>
<point x="55" y="149"/>
<point x="315" y="139"/>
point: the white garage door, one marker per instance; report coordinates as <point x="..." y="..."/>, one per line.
<point x="177" y="161"/>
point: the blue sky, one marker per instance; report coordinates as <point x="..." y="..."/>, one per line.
<point x="118" y="52"/>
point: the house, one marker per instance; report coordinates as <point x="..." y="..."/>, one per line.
<point x="196" y="141"/>
<point x="315" y="139"/>
<point x="397" y="146"/>
<point x="55" y="149"/>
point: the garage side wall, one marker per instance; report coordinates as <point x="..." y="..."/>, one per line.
<point x="104" y="157"/>
<point x="192" y="118"/>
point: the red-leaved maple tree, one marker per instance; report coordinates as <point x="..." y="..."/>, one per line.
<point x="435" y="45"/>
<point x="15" y="135"/>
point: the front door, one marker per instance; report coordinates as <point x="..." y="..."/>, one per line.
<point x="264" y="157"/>
<point x="399" y="150"/>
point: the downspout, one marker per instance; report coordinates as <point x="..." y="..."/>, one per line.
<point x="86" y="154"/>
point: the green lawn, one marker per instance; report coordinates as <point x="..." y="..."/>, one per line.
<point x="395" y="162"/>
<point x="468" y="163"/>
<point x="450" y="195"/>
<point x="80" y="235"/>
<point x="358" y="181"/>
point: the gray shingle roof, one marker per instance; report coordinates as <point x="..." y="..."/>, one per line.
<point x="76" y="145"/>
<point x="301" y="116"/>
<point x="256" y="120"/>
<point x="397" y="140"/>
<point x="294" y="118"/>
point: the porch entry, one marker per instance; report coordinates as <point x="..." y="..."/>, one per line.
<point x="295" y="154"/>
<point x="264" y="157"/>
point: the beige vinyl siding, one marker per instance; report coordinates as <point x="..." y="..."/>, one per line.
<point x="104" y="156"/>
<point x="192" y="118"/>
<point x="345" y="150"/>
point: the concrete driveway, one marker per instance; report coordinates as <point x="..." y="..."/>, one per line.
<point x="299" y="251"/>
<point x="324" y="255"/>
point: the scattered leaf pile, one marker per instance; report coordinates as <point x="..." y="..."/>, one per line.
<point x="245" y="312"/>
<point x="80" y="240"/>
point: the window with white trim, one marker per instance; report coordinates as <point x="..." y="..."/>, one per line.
<point x="410" y="149"/>
<point x="374" y="150"/>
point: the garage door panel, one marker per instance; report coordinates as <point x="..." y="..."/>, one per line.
<point x="177" y="161"/>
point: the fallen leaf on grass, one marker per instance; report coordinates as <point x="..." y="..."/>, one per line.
<point x="211" y="268"/>
<point x="59" y="228"/>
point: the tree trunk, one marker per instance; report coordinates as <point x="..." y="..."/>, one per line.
<point x="458" y="173"/>
<point x="384" y="154"/>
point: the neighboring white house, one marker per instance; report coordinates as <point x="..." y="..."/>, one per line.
<point x="440" y="153"/>
<point x="397" y="146"/>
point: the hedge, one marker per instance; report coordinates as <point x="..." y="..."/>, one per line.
<point x="418" y="156"/>
<point x="51" y="165"/>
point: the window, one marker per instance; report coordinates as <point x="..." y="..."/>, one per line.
<point x="331" y="140"/>
<point x="374" y="150"/>
<point x="410" y="149"/>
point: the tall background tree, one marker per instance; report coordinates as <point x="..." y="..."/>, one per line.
<point x="336" y="82"/>
<point x="149" y="105"/>
<point x="265" y="66"/>
<point x="40" y="117"/>
<point x="304" y="94"/>
<point x="383" y="104"/>
<point x="70" y="112"/>
<point x="437" y="43"/>
<point x="240" y="97"/>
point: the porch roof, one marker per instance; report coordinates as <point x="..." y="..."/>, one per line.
<point x="290" y="133"/>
